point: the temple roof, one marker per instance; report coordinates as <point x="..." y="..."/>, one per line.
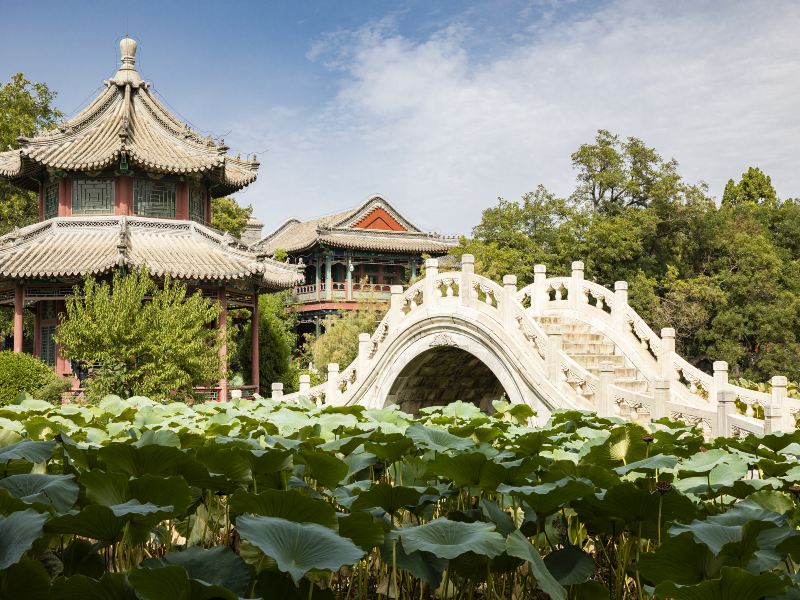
<point x="374" y="226"/>
<point x="69" y="247"/>
<point x="127" y="120"/>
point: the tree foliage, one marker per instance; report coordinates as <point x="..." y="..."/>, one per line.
<point x="726" y="277"/>
<point x="228" y="215"/>
<point x="276" y="341"/>
<point x="339" y="342"/>
<point x="146" y="339"/>
<point x="25" y="107"/>
<point x="23" y="373"/>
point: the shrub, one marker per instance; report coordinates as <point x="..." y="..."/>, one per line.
<point x="51" y="392"/>
<point x="144" y="339"/>
<point x="20" y="372"/>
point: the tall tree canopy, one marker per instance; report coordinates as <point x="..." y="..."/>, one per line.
<point x="726" y="277"/>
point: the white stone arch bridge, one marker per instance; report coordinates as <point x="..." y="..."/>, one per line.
<point x="559" y="343"/>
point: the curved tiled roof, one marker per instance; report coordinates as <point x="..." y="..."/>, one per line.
<point x="337" y="230"/>
<point x="127" y="120"/>
<point x="79" y="246"/>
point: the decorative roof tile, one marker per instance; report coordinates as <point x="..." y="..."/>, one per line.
<point x="338" y="230"/>
<point x="127" y="119"/>
<point x="75" y="247"/>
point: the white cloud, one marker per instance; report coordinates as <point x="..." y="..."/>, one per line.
<point x="442" y="131"/>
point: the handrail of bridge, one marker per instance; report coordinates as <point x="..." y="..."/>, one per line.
<point x="676" y="388"/>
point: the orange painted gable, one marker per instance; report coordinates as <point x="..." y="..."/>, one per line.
<point x="379" y="219"/>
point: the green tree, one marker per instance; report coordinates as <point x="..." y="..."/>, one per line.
<point x="515" y="235"/>
<point x="726" y="278"/>
<point x="276" y="341"/>
<point x="228" y="215"/>
<point x="25" y="107"/>
<point x="146" y="340"/>
<point x="339" y="342"/>
<point x="755" y="187"/>
<point x="615" y="174"/>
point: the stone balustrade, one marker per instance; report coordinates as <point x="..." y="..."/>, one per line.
<point x="457" y="302"/>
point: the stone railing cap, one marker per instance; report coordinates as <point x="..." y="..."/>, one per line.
<point x="509" y="280"/>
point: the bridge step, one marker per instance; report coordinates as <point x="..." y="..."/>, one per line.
<point x="595" y="360"/>
<point x="619" y="372"/>
<point x="574" y="348"/>
<point x="634" y="385"/>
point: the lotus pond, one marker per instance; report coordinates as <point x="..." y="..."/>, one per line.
<point x="261" y="499"/>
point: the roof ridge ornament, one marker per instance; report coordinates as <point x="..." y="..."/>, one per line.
<point x="127" y="73"/>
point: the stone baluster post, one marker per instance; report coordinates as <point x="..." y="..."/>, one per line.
<point x="576" y="296"/>
<point x="726" y="406"/>
<point x="556" y="345"/>
<point x="665" y="367"/>
<point x="395" y="306"/>
<point x="661" y="396"/>
<point x="507" y="303"/>
<point x="539" y="299"/>
<point x="605" y="403"/>
<point x="277" y="391"/>
<point x="305" y="383"/>
<point x="364" y="347"/>
<point x="619" y="313"/>
<point x="720" y="381"/>
<point x="773" y="414"/>
<point x="430" y="293"/>
<point x="332" y="391"/>
<point x="467" y="272"/>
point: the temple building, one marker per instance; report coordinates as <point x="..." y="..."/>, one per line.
<point x="125" y="185"/>
<point x="351" y="256"/>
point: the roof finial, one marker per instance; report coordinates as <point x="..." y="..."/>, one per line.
<point x="127" y="73"/>
<point x="127" y="49"/>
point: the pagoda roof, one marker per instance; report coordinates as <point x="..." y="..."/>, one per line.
<point x="375" y="225"/>
<point x="70" y="247"/>
<point x="127" y="119"/>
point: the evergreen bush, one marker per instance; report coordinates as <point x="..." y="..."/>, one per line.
<point x="20" y="372"/>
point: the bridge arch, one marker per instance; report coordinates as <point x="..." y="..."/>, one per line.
<point x="444" y="374"/>
<point x="456" y="338"/>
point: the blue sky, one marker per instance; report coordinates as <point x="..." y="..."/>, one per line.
<point x="439" y="106"/>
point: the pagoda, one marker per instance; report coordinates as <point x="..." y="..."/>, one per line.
<point x="125" y="185"/>
<point x="350" y="257"/>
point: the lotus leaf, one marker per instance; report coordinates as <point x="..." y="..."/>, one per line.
<point x="448" y="539"/>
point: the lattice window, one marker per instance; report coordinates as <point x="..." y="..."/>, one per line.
<point x="197" y="202"/>
<point x="51" y="200"/>
<point x="47" y="351"/>
<point x="92" y="196"/>
<point x="48" y="310"/>
<point x="154" y="198"/>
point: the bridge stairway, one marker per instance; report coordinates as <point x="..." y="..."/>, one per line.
<point x="591" y="348"/>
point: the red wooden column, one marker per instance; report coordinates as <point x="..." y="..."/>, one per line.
<point x="182" y="201"/>
<point x="254" y="341"/>
<point x="223" y="349"/>
<point x="64" y="197"/>
<point x="18" y="301"/>
<point x="123" y="195"/>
